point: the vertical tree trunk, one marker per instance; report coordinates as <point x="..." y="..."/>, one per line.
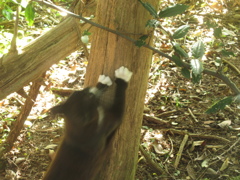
<point x="109" y="52"/>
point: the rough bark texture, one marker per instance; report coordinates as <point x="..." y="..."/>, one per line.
<point x="18" y="70"/>
<point x="109" y="52"/>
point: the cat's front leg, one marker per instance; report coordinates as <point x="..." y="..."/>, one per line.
<point x="103" y="83"/>
<point x="123" y="73"/>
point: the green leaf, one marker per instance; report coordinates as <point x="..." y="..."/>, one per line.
<point x="86" y="32"/>
<point x="220" y="105"/>
<point x="196" y="66"/>
<point x="7" y="12"/>
<point x="181" y="32"/>
<point x="217" y="32"/>
<point x="143" y="37"/>
<point x="177" y="60"/>
<point x="179" y="50"/>
<point x="186" y="73"/>
<point x="150" y="8"/>
<point x="227" y="53"/>
<point x="173" y="10"/>
<point x="196" y="78"/>
<point x="141" y="41"/>
<point x="198" y="49"/>
<point x="30" y="14"/>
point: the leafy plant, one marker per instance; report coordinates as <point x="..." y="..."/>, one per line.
<point x="190" y="60"/>
<point x="181" y="32"/>
<point x="7" y="12"/>
<point x="173" y="10"/>
<point x="30" y="14"/>
<point x="141" y="41"/>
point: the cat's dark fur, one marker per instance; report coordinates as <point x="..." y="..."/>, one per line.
<point x="88" y="129"/>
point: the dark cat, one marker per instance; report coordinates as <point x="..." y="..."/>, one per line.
<point x="88" y="129"/>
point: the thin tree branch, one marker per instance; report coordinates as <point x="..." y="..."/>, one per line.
<point x="25" y="111"/>
<point x="13" y="48"/>
<point x="225" y="79"/>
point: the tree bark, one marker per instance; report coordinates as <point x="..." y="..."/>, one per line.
<point x="18" y="70"/>
<point x="109" y="52"/>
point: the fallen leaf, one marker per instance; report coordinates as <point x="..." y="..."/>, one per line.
<point x="225" y="124"/>
<point x="191" y="171"/>
<point x="51" y="146"/>
<point x="224" y="165"/>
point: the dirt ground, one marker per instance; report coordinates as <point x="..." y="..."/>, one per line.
<point x="178" y="139"/>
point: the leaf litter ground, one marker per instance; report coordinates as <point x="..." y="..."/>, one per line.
<point x="179" y="141"/>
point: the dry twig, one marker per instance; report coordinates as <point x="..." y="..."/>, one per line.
<point x="194" y="117"/>
<point x="151" y="163"/>
<point x="205" y="136"/>
<point x="179" y="154"/>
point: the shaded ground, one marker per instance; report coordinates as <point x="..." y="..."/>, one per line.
<point x="179" y="141"/>
<point x="208" y="145"/>
<point x="171" y="98"/>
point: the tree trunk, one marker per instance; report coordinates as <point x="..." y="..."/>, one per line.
<point x="109" y="52"/>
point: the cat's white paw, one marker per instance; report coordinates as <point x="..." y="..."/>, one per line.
<point x="105" y="80"/>
<point x="123" y="73"/>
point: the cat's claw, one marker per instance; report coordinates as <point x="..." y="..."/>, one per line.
<point x="105" y="80"/>
<point x="123" y="73"/>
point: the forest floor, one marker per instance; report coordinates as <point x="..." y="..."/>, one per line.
<point x="178" y="139"/>
<point x="175" y="125"/>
